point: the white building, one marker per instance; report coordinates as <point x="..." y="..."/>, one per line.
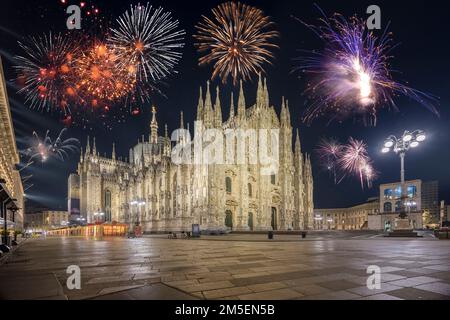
<point x="150" y="190"/>
<point x="351" y="218"/>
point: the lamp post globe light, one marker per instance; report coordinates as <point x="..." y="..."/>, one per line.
<point x="98" y="216"/>
<point x="400" y="145"/>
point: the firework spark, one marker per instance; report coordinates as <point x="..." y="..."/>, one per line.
<point x="352" y="75"/>
<point x="44" y="148"/>
<point x="44" y="70"/>
<point x="237" y="41"/>
<point x="355" y="160"/>
<point x="97" y="77"/>
<point x="147" y="42"/>
<point x="329" y="151"/>
<point x="351" y="159"/>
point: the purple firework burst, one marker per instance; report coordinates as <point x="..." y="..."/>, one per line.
<point x="352" y="76"/>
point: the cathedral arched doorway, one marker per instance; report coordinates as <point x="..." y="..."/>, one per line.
<point x="229" y="219"/>
<point x="274" y="218"/>
<point x="250" y="221"/>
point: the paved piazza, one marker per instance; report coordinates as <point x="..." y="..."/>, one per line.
<point x="229" y="267"/>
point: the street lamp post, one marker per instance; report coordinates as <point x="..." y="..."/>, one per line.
<point x="400" y="146"/>
<point x="138" y="203"/>
<point x="98" y="214"/>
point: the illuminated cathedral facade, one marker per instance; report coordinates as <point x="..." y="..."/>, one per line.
<point x="149" y="189"/>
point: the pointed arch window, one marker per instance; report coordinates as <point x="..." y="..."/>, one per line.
<point x="107" y="201"/>
<point x="228" y="185"/>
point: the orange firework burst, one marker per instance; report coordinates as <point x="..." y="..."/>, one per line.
<point x="99" y="78"/>
<point x="237" y="41"/>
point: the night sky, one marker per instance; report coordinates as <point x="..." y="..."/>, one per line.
<point x="421" y="27"/>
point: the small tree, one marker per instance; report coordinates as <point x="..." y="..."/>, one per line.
<point x="427" y="219"/>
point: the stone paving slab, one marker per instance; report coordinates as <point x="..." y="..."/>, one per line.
<point x="380" y="296"/>
<point x="280" y="294"/>
<point x="155" y="267"/>
<point x="157" y="291"/>
<point x="311" y="289"/>
<point x="364" y="291"/>
<point x="417" y="294"/>
<point x="414" y="281"/>
<point x="436" y="287"/>
<point x="31" y="287"/>
<point x="335" y="295"/>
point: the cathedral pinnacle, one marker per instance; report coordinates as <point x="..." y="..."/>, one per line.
<point x="208" y="113"/>
<point x="231" y="106"/>
<point x="266" y="94"/>
<point x="260" y="93"/>
<point x="200" y="105"/>
<point x="154" y="127"/>
<point x="113" y="151"/>
<point x="218" y="109"/>
<point x="88" y="146"/>
<point x="94" y="148"/>
<point x="241" y="102"/>
<point x="283" y="116"/>
<point x="181" y="120"/>
<point x="298" y="147"/>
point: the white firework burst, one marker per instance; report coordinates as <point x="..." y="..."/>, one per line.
<point x="147" y="42"/>
<point x="45" y="148"/>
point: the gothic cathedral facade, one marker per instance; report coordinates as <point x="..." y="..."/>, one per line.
<point x="151" y="190"/>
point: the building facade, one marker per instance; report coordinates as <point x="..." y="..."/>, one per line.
<point x="390" y="196"/>
<point x="47" y="219"/>
<point x="151" y="190"/>
<point x="430" y="200"/>
<point x="352" y="218"/>
<point x="9" y="158"/>
<point x="73" y="196"/>
<point x="422" y="204"/>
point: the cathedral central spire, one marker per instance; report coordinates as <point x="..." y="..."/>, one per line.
<point x="153" y="127"/>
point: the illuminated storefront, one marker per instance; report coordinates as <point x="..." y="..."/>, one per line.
<point x="94" y="230"/>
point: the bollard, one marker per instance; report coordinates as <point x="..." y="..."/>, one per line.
<point x="270" y="235"/>
<point x="303" y="235"/>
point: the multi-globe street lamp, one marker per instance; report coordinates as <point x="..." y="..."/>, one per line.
<point x="98" y="215"/>
<point x="138" y="203"/>
<point x="81" y="220"/>
<point x="400" y="146"/>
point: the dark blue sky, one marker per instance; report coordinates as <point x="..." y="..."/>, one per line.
<point x="421" y="27"/>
